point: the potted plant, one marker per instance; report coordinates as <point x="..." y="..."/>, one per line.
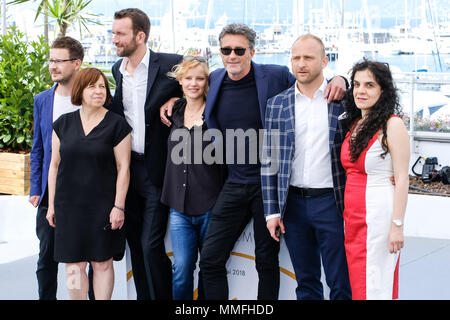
<point x="23" y="74"/>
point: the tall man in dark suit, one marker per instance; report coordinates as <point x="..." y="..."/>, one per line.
<point x="302" y="178"/>
<point x="142" y="87"/>
<point x="237" y="101"/>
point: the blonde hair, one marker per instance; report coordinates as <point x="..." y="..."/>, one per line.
<point x="188" y="63"/>
<point x="313" y="37"/>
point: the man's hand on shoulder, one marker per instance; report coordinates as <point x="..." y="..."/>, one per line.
<point x="335" y="89"/>
<point x="166" y="111"/>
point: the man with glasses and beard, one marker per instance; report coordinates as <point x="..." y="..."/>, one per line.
<point x="66" y="57"/>
<point x="237" y="101"/>
<point x="142" y="87"/>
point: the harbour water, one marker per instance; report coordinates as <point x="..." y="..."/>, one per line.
<point x="398" y="63"/>
<point x="424" y="64"/>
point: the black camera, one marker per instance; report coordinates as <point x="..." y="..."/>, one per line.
<point x="430" y="172"/>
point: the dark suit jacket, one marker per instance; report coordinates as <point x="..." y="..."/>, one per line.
<point x="41" y="152"/>
<point x="160" y="88"/>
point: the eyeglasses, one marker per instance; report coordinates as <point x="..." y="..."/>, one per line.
<point x="197" y="58"/>
<point x="59" y="61"/>
<point x="237" y="51"/>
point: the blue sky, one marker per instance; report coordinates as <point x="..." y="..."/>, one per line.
<point x="268" y="9"/>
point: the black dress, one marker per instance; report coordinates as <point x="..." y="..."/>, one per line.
<point x="86" y="189"/>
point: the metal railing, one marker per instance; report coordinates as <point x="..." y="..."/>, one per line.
<point x="408" y="83"/>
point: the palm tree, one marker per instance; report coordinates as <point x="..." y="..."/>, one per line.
<point x="63" y="13"/>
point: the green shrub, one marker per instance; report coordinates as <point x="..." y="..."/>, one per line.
<point x="106" y="71"/>
<point x="23" y="74"/>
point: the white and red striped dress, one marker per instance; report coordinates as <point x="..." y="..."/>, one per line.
<point x="369" y="205"/>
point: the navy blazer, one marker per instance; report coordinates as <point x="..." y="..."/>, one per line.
<point x="277" y="160"/>
<point x="41" y="151"/>
<point x="270" y="80"/>
<point x="160" y="88"/>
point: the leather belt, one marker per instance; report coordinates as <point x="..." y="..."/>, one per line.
<point x="137" y="156"/>
<point x="310" y="192"/>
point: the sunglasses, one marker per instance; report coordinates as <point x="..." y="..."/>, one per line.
<point x="196" y="58"/>
<point x="237" y="51"/>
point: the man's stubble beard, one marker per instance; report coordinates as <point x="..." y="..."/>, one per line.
<point x="127" y="50"/>
<point x="310" y="79"/>
<point x="64" y="80"/>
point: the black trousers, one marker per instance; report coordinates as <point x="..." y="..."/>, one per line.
<point x="146" y="223"/>
<point x="47" y="267"/>
<point x="236" y="205"/>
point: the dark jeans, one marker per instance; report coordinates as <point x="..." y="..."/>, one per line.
<point x="187" y="234"/>
<point x="146" y="224"/>
<point x="236" y="205"/>
<point x="47" y="267"/>
<point x="315" y="230"/>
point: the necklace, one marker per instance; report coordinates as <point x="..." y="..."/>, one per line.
<point x="193" y="114"/>
<point x="192" y="118"/>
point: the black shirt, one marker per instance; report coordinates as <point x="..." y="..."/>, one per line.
<point x="238" y="108"/>
<point x="191" y="186"/>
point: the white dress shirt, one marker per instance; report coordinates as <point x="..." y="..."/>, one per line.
<point x="311" y="167"/>
<point x="62" y="105"/>
<point x="134" y="93"/>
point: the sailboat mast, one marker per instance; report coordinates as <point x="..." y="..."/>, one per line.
<point x="209" y="14"/>
<point x="4" y="17"/>
<point x="172" y="22"/>
<point x="369" y="28"/>
<point x="299" y="16"/>
<point x="406" y="16"/>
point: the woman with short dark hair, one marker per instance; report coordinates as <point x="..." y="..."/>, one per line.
<point x="87" y="184"/>
<point x="375" y="149"/>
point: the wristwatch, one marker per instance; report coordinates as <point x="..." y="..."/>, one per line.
<point x="397" y="222"/>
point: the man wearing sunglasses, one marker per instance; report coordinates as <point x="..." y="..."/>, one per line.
<point x="237" y="101"/>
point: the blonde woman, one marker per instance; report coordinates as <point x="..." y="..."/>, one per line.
<point x="191" y="186"/>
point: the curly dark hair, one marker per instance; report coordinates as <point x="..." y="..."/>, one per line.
<point x="387" y="105"/>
